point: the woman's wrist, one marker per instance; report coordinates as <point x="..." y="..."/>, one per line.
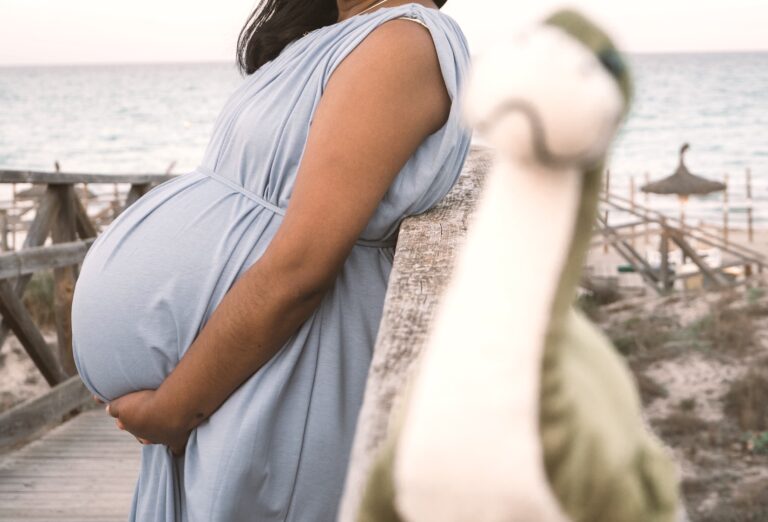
<point x="175" y="411"/>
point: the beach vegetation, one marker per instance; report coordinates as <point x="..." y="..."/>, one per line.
<point x="38" y="298"/>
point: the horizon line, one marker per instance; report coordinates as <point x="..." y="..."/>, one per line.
<point x="233" y="63"/>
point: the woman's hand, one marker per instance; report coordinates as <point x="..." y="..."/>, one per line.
<point x="140" y="414"/>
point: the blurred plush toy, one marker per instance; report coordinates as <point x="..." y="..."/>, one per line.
<point x="520" y="410"/>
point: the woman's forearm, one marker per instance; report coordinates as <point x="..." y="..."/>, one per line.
<point x="254" y="319"/>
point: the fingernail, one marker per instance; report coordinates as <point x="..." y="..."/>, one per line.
<point x="107" y="408"/>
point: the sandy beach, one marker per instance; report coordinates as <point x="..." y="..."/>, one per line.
<point x="19" y="378"/>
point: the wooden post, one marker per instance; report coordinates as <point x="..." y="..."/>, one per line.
<point x="646" y="202"/>
<point x="63" y="230"/>
<point x="666" y="282"/>
<point x="608" y="197"/>
<point x="725" y="211"/>
<point x="13" y="206"/>
<point x="633" y="207"/>
<point x="4" y="230"/>
<point x="18" y="319"/>
<point x="750" y="231"/>
<point x="714" y="276"/>
<point x="136" y="191"/>
<point x="115" y="201"/>
<point x="45" y="214"/>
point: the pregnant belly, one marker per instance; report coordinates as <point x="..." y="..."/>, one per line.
<point x="153" y="277"/>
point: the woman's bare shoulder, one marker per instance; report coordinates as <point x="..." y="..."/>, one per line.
<point x="399" y="56"/>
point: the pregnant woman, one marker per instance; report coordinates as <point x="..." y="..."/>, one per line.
<point x="229" y="315"/>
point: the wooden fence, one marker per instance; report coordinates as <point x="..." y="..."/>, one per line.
<point x="61" y="216"/>
<point x="422" y="265"/>
<point x="645" y="222"/>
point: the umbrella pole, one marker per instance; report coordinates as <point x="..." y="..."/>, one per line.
<point x="750" y="231"/>
<point x="725" y="211"/>
<point x="683" y="200"/>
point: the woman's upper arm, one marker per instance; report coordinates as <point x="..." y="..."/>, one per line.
<point x="379" y="105"/>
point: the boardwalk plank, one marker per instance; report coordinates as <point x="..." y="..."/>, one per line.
<point x="84" y="470"/>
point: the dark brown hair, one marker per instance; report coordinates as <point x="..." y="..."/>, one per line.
<point x="276" y="23"/>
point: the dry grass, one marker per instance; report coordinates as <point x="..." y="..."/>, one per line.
<point x="720" y="431"/>
<point x="728" y="328"/>
<point x="748" y="504"/>
<point x="38" y="298"/>
<point x="649" y="389"/>
<point x="681" y="426"/>
<point x="638" y="336"/>
<point x="747" y="401"/>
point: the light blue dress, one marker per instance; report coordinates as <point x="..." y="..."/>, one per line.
<point x="278" y="448"/>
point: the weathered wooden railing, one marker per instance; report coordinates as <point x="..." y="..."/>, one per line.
<point x="423" y="261"/>
<point x="62" y="217"/>
<point x="645" y="221"/>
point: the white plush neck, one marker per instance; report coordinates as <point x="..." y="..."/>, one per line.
<point x="470" y="447"/>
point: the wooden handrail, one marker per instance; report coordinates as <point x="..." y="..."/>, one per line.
<point x="62" y="178"/>
<point x="24" y="421"/>
<point x="423" y="261"/>
<point x="34" y="259"/>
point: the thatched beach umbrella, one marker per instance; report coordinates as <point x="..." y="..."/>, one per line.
<point x="683" y="184"/>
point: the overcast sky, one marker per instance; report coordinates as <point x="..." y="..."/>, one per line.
<point x="108" y="31"/>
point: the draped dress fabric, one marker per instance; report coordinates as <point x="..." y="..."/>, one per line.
<point x="277" y="449"/>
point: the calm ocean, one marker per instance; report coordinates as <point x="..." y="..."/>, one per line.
<point x="141" y="118"/>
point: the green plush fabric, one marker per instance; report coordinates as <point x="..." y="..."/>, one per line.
<point x="378" y="502"/>
<point x="602" y="463"/>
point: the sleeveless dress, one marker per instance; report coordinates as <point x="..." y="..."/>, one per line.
<point x="277" y="449"/>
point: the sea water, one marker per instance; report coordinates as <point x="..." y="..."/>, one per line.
<point x="147" y="118"/>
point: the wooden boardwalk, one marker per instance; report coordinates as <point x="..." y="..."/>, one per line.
<point x="81" y="471"/>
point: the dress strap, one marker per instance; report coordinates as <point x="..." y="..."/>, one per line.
<point x="242" y="190"/>
<point x="262" y="202"/>
<point x="412" y="20"/>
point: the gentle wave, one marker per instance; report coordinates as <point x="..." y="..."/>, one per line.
<point x="142" y="118"/>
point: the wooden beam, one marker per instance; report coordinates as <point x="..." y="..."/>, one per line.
<point x="137" y="190"/>
<point x="699" y="234"/>
<point x="64" y="230"/>
<point x="23" y="422"/>
<point x="713" y="275"/>
<point x="58" y="178"/>
<point x="36" y="236"/>
<point x="34" y="259"/>
<point x="85" y="227"/>
<point x="666" y="281"/>
<point x="29" y="336"/>
<point x="630" y="255"/>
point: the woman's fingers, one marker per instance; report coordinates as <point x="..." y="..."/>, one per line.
<point x="96" y="398"/>
<point x="120" y="424"/>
